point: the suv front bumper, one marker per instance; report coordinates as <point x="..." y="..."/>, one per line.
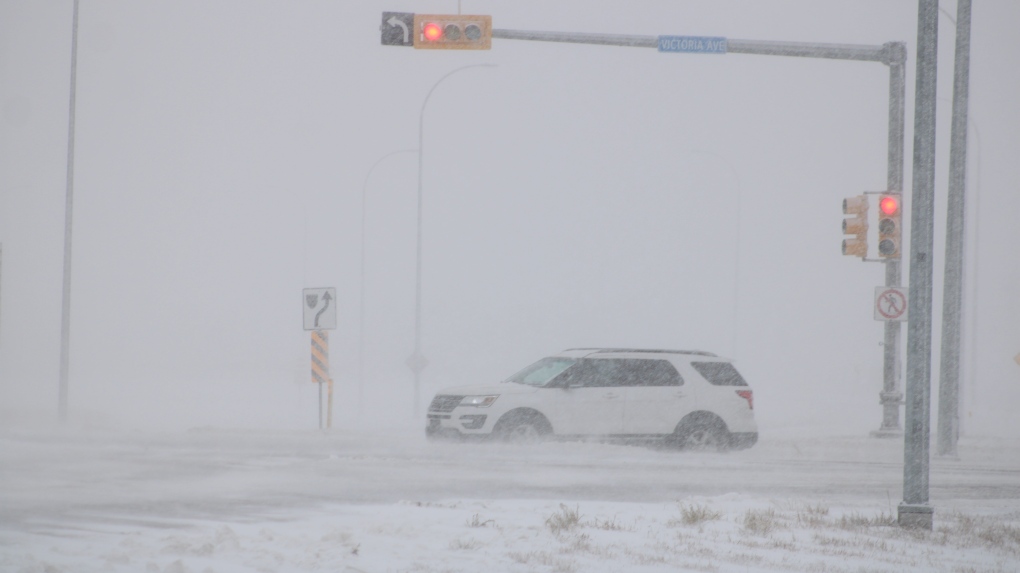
<point x="454" y="424"/>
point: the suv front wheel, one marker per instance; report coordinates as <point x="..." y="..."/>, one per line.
<point x="522" y="426"/>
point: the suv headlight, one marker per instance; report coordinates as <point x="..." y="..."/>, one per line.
<point x="479" y="401"/>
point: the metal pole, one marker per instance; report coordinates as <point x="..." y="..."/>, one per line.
<point x="952" y="301"/>
<point x="329" y="407"/>
<point x="761" y="47"/>
<point x="914" y="511"/>
<point x="891" y="396"/>
<point x="361" y="312"/>
<point x="65" y="307"/>
<point x="417" y="362"/>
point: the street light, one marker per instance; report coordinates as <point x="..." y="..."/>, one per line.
<point x="361" y="312"/>
<point x="65" y="307"/>
<point x="416" y="362"/>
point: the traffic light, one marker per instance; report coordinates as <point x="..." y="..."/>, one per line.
<point x="856" y="226"/>
<point x="890" y="212"/>
<point x="452" y="32"/>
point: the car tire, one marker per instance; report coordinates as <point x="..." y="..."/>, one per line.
<point x="701" y="433"/>
<point x="522" y="427"/>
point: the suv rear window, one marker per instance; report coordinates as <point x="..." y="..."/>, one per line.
<point x="719" y="373"/>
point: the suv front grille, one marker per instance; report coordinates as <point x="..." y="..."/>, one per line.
<point x="444" y="403"/>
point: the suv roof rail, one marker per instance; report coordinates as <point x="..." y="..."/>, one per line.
<point x="655" y="351"/>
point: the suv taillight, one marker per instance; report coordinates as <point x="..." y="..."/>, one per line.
<point x="747" y="395"/>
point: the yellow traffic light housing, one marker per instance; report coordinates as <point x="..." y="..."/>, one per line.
<point x="856" y="226"/>
<point x="890" y="214"/>
<point x="452" y="32"/>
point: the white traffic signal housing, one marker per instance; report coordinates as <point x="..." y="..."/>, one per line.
<point x="856" y="226"/>
<point x="452" y="32"/>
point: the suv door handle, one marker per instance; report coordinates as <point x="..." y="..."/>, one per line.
<point x="680" y="394"/>
<point x="610" y="395"/>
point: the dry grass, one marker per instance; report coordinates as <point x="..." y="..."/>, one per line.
<point x="465" y="544"/>
<point x="696" y="515"/>
<point x="859" y="521"/>
<point x="761" y="522"/>
<point x="477" y="521"/>
<point x="962" y="530"/>
<point x="607" y="525"/>
<point x="870" y="537"/>
<point x="564" y="520"/>
<point x="544" y="558"/>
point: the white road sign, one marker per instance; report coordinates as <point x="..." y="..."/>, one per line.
<point x="890" y="303"/>
<point x="319" y="306"/>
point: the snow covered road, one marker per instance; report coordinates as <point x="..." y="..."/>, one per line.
<point x="67" y="500"/>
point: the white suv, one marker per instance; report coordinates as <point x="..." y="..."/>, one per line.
<point x="689" y="399"/>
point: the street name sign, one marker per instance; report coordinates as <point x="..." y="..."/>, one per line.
<point x="693" y="44"/>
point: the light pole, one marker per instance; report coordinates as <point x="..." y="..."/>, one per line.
<point x="952" y="302"/>
<point x="416" y="362"/>
<point x="65" y="312"/>
<point x="361" y="311"/>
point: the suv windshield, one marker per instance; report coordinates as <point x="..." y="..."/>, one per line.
<point x="541" y="372"/>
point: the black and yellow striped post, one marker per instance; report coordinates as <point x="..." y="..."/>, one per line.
<point x="320" y="371"/>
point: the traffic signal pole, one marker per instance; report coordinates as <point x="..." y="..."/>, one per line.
<point x="893" y="55"/>
<point x="891" y="396"/>
<point x="915" y="510"/>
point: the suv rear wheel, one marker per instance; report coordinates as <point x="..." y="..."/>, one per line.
<point x="703" y="432"/>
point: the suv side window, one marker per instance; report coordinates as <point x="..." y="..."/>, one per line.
<point x="719" y="373"/>
<point x="619" y="372"/>
<point x="644" y="372"/>
<point x="594" y="373"/>
<point x="598" y="373"/>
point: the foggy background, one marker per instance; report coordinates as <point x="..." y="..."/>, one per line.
<point x="574" y="195"/>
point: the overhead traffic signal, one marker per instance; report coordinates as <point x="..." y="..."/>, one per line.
<point x="856" y="226"/>
<point x="452" y="32"/>
<point x="890" y="213"/>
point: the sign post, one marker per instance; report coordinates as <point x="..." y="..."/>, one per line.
<point x="320" y="317"/>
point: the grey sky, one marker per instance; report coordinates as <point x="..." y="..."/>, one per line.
<point x="574" y="196"/>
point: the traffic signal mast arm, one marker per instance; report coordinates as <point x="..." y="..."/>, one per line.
<point x="888" y="53"/>
<point x="394" y="24"/>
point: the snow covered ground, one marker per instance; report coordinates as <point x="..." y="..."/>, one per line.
<point x="224" y="501"/>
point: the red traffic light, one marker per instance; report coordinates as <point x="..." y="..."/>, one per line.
<point x="889" y="205"/>
<point x="889" y="226"/>
<point x="452" y="32"/>
<point x="432" y="31"/>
